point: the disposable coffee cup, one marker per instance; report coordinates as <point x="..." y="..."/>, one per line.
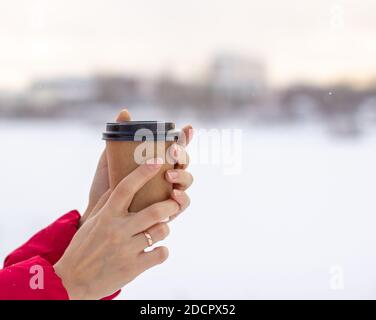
<point x="129" y="144"/>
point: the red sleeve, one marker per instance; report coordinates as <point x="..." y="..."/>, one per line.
<point x="33" y="279"/>
<point x="49" y="243"/>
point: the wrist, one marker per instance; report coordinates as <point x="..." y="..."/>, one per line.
<point x="75" y="291"/>
<point x="85" y="215"/>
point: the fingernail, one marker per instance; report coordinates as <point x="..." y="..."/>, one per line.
<point x="174" y="151"/>
<point x="177" y="193"/>
<point x="154" y="163"/>
<point x="190" y="134"/>
<point x="172" y="175"/>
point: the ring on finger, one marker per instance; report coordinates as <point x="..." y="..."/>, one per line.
<point x="148" y="238"/>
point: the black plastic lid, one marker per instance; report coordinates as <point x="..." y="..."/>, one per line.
<point x="140" y="131"/>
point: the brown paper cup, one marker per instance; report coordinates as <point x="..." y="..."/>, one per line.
<point x="124" y="156"/>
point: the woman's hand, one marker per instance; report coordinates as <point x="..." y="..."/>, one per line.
<point x="108" y="250"/>
<point x="179" y="177"/>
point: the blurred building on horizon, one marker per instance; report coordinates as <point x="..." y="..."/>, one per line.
<point x="237" y="78"/>
<point x="233" y="86"/>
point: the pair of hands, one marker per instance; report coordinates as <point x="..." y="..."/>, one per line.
<point x="182" y="180"/>
<point x="108" y="251"/>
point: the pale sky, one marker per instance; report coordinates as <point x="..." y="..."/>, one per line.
<point x="311" y="40"/>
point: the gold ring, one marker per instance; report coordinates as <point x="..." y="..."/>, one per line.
<point x="148" y="238"/>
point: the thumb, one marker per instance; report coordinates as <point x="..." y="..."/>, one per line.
<point x="122" y="196"/>
<point x="124" y="115"/>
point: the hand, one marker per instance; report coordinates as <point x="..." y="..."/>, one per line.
<point x="108" y="250"/>
<point x="100" y="183"/>
<point x="179" y="177"/>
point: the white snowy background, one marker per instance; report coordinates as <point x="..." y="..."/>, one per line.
<point x="299" y="215"/>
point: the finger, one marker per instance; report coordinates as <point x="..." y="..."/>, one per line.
<point x="182" y="199"/>
<point x="186" y="135"/>
<point x="92" y="212"/>
<point x="157" y="232"/>
<point x="101" y="202"/>
<point x="100" y="182"/>
<point x="123" y="194"/>
<point x="181" y="179"/>
<point x="152" y="215"/>
<point x="178" y="155"/>
<point x="153" y="258"/>
<point x="124" y="115"/>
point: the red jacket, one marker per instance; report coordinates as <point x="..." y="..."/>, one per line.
<point x="28" y="272"/>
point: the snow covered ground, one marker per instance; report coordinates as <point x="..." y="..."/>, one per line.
<point x="298" y="221"/>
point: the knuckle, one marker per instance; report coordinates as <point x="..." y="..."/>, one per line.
<point x="162" y="255"/>
<point x="163" y="230"/>
<point x="176" y="207"/>
<point x="156" y="213"/>
<point x="144" y="171"/>
<point x="127" y="189"/>
<point x="184" y="157"/>
<point x="190" y="177"/>
<point x="188" y="202"/>
<point x="135" y="222"/>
